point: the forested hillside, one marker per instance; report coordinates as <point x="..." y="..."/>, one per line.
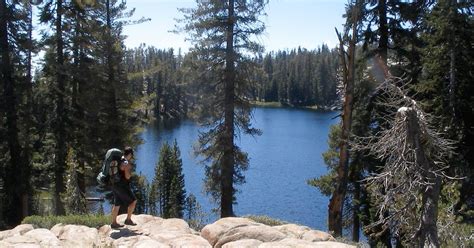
<point x="162" y="79"/>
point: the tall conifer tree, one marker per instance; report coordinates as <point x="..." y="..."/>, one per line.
<point x="222" y="33"/>
<point x="15" y="175"/>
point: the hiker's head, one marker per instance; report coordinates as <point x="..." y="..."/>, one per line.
<point x="128" y="152"/>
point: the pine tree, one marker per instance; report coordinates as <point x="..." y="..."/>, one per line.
<point x="75" y="200"/>
<point x="53" y="12"/>
<point x="445" y="88"/>
<point x="178" y="195"/>
<point x="193" y="213"/>
<point x="326" y="183"/>
<point x="16" y="171"/>
<point x="139" y="188"/>
<point x="167" y="189"/>
<point x="222" y="33"/>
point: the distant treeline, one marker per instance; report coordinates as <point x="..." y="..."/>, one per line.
<point x="297" y="77"/>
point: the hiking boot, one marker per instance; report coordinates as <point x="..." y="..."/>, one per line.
<point x="129" y="222"/>
<point x="115" y="225"/>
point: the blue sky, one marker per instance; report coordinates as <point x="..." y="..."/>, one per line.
<point x="290" y="23"/>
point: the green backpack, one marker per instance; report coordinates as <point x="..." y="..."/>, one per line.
<point x="109" y="172"/>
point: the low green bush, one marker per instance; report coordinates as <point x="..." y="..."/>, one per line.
<point x="266" y="220"/>
<point x="266" y="104"/>
<point x="49" y="221"/>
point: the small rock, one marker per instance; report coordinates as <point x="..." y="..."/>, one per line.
<point x="104" y="230"/>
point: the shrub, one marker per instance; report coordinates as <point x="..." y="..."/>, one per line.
<point x="49" y="221"/>
<point x="266" y="220"/>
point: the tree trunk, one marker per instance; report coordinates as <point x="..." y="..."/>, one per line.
<point x="60" y="113"/>
<point x="227" y="194"/>
<point x="78" y="111"/>
<point x="428" y="232"/>
<point x="383" y="31"/>
<point x="336" y="202"/>
<point x="14" y="186"/>
<point x="452" y="81"/>
<point x="29" y="109"/>
<point x="114" y="113"/>
<point x="355" y="211"/>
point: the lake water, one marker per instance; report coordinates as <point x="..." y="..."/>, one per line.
<point x="281" y="160"/>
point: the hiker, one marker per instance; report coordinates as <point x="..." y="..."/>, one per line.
<point x="123" y="195"/>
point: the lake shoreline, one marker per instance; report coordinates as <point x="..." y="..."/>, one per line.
<point x="281" y="105"/>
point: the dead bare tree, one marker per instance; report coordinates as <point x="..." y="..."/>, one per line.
<point x="347" y="58"/>
<point x="409" y="184"/>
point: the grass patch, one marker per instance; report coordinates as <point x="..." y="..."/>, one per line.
<point x="49" y="221"/>
<point x="266" y="220"/>
<point x="266" y="104"/>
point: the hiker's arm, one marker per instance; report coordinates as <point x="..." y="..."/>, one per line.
<point x="127" y="169"/>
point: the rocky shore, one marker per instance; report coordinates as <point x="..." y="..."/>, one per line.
<point x="155" y="232"/>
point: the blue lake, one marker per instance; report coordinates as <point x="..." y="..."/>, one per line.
<point x="282" y="159"/>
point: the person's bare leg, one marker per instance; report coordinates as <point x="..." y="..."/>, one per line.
<point x="115" y="211"/>
<point x="130" y="209"/>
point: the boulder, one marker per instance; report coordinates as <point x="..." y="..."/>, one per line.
<point x="243" y="243"/>
<point x="138" y="241"/>
<point x="260" y="232"/>
<point x="189" y="240"/>
<point x="138" y="219"/>
<point x="21" y="241"/>
<point x="166" y="230"/>
<point x="78" y="236"/>
<point x="288" y="243"/>
<point x="58" y="229"/>
<point x="299" y="243"/>
<point x="45" y="237"/>
<point x="214" y="231"/>
<point x="292" y="230"/>
<point x="22" y="229"/>
<point x="315" y="235"/>
<point x="304" y="232"/>
<point x="18" y="230"/>
<point x="332" y="244"/>
<point x="154" y="232"/>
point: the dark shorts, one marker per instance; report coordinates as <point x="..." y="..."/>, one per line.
<point x="123" y="195"/>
